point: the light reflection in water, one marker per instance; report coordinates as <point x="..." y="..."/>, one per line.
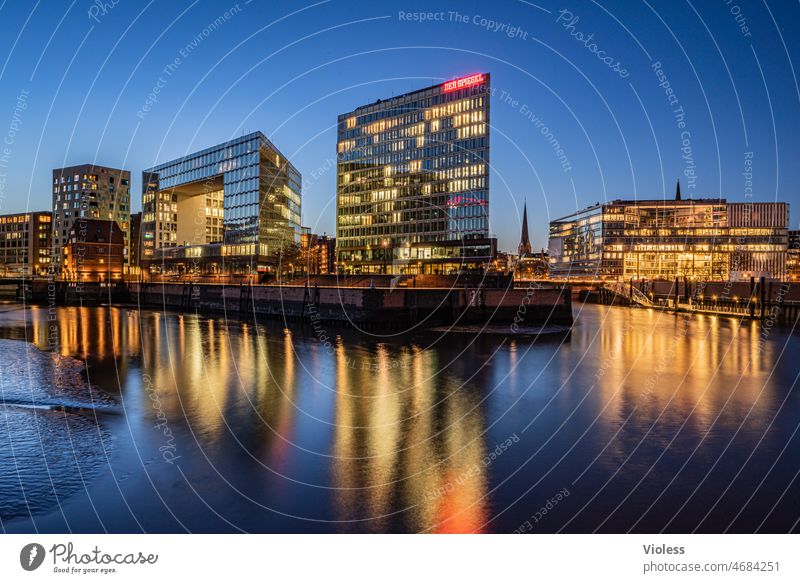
<point x="663" y="377"/>
<point x="406" y="441"/>
<point x="380" y="437"/>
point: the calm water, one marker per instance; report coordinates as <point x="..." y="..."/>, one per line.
<point x="637" y="421"/>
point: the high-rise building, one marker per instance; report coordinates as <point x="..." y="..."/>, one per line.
<point x="413" y="182"/>
<point x="88" y="191"/>
<point x="228" y="209"/>
<point x="25" y="244"/>
<point x="704" y="239"/>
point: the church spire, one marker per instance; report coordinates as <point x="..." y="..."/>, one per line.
<point x="678" y="190"/>
<point x="524" y="241"/>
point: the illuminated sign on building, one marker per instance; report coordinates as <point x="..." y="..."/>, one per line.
<point x="463" y="82"/>
<point x="465" y="200"/>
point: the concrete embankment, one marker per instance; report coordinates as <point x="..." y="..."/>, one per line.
<point x="397" y="308"/>
<point x="366" y="307"/>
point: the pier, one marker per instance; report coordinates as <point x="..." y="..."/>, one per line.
<point x="760" y="299"/>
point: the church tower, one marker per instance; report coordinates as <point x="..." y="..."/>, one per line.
<point x="524" y="241"/>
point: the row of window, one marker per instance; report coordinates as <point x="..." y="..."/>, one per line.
<point x="462" y="140"/>
<point x="413" y="106"/>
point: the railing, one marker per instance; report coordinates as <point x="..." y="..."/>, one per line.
<point x="625" y="290"/>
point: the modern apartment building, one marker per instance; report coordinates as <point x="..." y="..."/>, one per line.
<point x="413" y="182"/>
<point x="25" y="244"/>
<point x="229" y="209"/>
<point x="88" y="191"/>
<point x="704" y="239"/>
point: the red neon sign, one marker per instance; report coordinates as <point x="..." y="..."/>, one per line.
<point x="463" y="82"/>
<point x="465" y="200"/>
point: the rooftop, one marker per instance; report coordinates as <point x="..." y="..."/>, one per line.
<point x="484" y="78"/>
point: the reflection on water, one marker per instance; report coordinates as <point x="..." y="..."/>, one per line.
<point x="406" y="441"/>
<point x="651" y="421"/>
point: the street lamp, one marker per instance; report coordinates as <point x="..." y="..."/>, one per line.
<point x="385" y="245"/>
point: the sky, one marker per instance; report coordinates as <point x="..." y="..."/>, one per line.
<point x="591" y="101"/>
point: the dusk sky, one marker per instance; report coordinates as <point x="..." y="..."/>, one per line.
<point x="76" y="82"/>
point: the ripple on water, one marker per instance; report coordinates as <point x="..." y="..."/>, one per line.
<point x="45" y="455"/>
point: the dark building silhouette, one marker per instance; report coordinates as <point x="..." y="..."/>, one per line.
<point x="524" y="241"/>
<point x="136" y="243"/>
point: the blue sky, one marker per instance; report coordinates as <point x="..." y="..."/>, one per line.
<point x="75" y="80"/>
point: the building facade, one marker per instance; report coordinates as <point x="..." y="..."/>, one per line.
<point x="532" y="266"/>
<point x="135" y="251"/>
<point x="704" y="239"/>
<point x="413" y="182"/>
<point x="793" y="256"/>
<point x="95" y="252"/>
<point x="88" y="191"/>
<point x="26" y="244"/>
<point x="318" y="253"/>
<point x="229" y="209"/>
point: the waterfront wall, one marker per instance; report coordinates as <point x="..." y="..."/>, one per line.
<point x="366" y="307"/>
<point x="768" y="289"/>
<point x="761" y="299"/>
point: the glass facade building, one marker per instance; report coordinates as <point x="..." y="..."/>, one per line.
<point x="704" y="239"/>
<point x="413" y="182"/>
<point x="228" y="209"/>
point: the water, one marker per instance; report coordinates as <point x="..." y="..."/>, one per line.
<point x="46" y="454"/>
<point x="638" y="421"/>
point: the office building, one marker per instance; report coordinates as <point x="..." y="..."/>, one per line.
<point x="88" y="191"/>
<point x="95" y="252"/>
<point x="703" y="239"/>
<point x="229" y="209"/>
<point x="25" y="244"/>
<point x="413" y="182"/>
